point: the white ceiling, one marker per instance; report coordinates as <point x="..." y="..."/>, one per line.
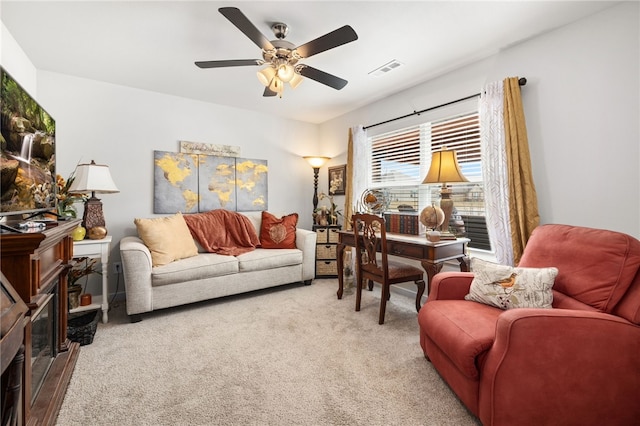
<point x="152" y="45"/>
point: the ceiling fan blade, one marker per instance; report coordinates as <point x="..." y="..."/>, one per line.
<point x="229" y="63"/>
<point x="323" y="77"/>
<point x="342" y="35"/>
<point x="238" y="19"/>
<point x="269" y="92"/>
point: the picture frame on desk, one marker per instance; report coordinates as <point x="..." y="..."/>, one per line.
<point x="337" y="179"/>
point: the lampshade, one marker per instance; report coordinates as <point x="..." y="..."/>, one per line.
<point x="93" y="178"/>
<point x="444" y="168"/>
<point x="296" y="80"/>
<point x="277" y="86"/>
<point x="285" y="72"/>
<point x="266" y="75"/>
<point x="316" y="162"/>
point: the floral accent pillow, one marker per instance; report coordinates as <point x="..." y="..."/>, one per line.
<point x="508" y="287"/>
<point x="278" y="232"/>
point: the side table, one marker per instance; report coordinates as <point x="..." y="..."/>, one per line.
<point x="96" y="249"/>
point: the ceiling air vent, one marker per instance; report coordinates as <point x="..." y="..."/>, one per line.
<point x="389" y="66"/>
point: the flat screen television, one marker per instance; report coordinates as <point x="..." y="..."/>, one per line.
<point x="28" y="155"/>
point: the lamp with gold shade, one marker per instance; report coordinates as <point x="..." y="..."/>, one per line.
<point x="445" y="169"/>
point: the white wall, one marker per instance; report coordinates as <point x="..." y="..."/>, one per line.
<point x="14" y="60"/>
<point x="583" y="116"/>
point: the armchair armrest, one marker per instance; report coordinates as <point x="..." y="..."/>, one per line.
<point x="573" y="364"/>
<point x="306" y="241"/>
<point x="450" y="285"/>
<point x="136" y="267"/>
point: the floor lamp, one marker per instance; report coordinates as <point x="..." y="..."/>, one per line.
<point x="445" y="169"/>
<point x="316" y="163"/>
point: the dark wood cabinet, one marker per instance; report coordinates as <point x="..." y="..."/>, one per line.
<point x="36" y="264"/>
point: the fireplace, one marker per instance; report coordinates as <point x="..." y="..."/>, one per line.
<point x="43" y="342"/>
<point x="37" y="263"/>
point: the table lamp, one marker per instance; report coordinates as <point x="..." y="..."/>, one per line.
<point x="94" y="178"/>
<point x="445" y="169"/>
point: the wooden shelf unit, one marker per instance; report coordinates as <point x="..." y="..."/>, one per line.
<point x="326" y="242"/>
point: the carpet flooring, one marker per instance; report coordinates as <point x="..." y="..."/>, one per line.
<point x="294" y="355"/>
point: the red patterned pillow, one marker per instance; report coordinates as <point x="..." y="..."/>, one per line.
<point x="278" y="232"/>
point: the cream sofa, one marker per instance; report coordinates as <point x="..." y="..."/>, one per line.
<point x="209" y="275"/>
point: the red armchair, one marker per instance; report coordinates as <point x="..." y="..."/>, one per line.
<point x="575" y="364"/>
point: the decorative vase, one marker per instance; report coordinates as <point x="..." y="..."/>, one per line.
<point x="79" y="233"/>
<point x="97" y="232"/>
<point x="74" y="295"/>
<point x="85" y="299"/>
<point x="322" y="217"/>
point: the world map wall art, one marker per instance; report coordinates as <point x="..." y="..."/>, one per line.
<point x="192" y="183"/>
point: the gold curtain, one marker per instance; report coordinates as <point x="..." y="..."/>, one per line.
<point x="348" y="191"/>
<point x="523" y="200"/>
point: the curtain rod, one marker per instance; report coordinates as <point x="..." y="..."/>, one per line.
<point x="521" y="81"/>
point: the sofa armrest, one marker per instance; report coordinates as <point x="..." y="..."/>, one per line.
<point x="136" y="267"/>
<point x="450" y="285"/>
<point x="306" y="241"/>
<point x="572" y="363"/>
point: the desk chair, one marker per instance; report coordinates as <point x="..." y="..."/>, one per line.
<point x="370" y="236"/>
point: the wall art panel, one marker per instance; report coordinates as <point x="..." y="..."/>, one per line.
<point x="192" y="183"/>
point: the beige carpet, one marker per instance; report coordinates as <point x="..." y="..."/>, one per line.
<point x="291" y="356"/>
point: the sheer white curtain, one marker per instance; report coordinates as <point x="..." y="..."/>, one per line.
<point x="494" y="171"/>
<point x="360" y="155"/>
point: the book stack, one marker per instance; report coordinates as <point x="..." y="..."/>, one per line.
<point x="402" y="223"/>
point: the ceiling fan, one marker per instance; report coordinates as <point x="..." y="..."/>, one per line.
<point x="281" y="57"/>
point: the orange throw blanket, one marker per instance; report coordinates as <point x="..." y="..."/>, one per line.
<point x="223" y="232"/>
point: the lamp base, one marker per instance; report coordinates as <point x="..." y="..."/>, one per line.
<point x="93" y="215"/>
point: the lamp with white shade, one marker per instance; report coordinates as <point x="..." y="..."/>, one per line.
<point x="94" y="178"/>
<point x="316" y="163"/>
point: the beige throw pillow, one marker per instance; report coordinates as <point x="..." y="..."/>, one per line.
<point x="508" y="287"/>
<point x="168" y="238"/>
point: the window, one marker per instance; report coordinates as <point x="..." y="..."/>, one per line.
<point x="399" y="160"/>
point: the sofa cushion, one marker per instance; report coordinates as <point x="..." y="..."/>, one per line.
<point x="200" y="267"/>
<point x="278" y="233"/>
<point x="263" y="259"/>
<point x="595" y="266"/>
<point x="168" y="238"/>
<point x="506" y="287"/>
<point x="463" y="331"/>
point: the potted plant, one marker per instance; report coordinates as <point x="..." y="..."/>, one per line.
<point x="83" y="267"/>
<point x="65" y="199"/>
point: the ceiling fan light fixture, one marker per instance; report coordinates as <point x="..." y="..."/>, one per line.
<point x="281" y="57"/>
<point x="285" y="72"/>
<point x="295" y="80"/>
<point x="277" y="86"/>
<point x="266" y="75"/>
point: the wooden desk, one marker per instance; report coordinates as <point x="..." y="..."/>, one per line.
<point x="431" y="255"/>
